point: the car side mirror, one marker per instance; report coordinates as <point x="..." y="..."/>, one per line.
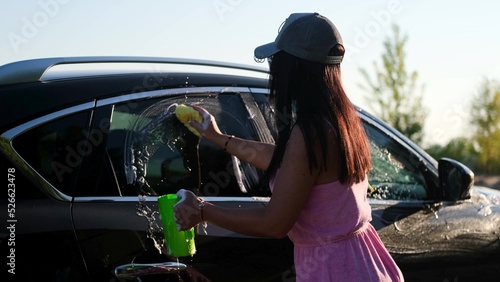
<point x="456" y="180"/>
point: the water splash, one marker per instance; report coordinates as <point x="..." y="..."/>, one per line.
<point x="154" y="231"/>
<point x="155" y="128"/>
<point x="143" y="144"/>
<point x="486" y="203"/>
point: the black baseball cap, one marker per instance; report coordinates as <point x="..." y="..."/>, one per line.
<point x="309" y="36"/>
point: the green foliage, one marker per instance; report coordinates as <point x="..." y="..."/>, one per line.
<point x="460" y="149"/>
<point x="481" y="152"/>
<point x="392" y="93"/>
<point x="392" y="97"/>
<point x="485" y="120"/>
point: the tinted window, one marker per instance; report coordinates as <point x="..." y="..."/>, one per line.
<point x="151" y="152"/>
<point x="395" y="173"/>
<point x="56" y="149"/>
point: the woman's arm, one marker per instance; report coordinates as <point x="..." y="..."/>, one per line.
<point x="292" y="187"/>
<point x="257" y="154"/>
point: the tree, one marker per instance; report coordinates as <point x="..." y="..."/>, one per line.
<point x="392" y="92"/>
<point x="485" y="120"/>
<point x="461" y="149"/>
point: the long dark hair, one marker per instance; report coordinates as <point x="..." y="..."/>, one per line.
<point x="310" y="95"/>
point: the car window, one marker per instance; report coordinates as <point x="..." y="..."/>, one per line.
<point x="56" y="149"/>
<point x="267" y="112"/>
<point x="150" y="152"/>
<point x="395" y="173"/>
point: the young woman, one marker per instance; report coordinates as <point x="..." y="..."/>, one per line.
<point x="318" y="168"/>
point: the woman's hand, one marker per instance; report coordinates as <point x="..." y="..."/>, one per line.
<point x="187" y="211"/>
<point x="255" y="153"/>
<point x="208" y="129"/>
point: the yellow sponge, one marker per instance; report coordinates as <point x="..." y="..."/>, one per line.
<point x="185" y="114"/>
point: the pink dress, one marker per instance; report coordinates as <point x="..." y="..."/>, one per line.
<point x="334" y="240"/>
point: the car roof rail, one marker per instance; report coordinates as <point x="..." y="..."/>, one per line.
<point x="32" y="70"/>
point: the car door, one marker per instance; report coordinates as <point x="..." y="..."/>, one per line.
<point x="43" y="167"/>
<point x="138" y="151"/>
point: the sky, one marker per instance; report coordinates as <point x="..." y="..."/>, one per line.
<point x="452" y="45"/>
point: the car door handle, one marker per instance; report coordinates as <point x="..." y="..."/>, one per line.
<point x="136" y="270"/>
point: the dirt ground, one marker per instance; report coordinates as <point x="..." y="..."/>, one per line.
<point x="491" y="181"/>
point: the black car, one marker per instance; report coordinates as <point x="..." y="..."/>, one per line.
<point x="88" y="144"/>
